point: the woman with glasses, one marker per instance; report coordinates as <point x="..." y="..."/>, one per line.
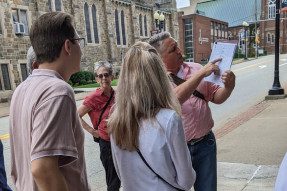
<point x="148" y="144"/>
<point x="97" y="105"/>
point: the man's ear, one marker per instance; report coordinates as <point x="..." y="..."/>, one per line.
<point x="68" y="47"/>
<point x="35" y="65"/>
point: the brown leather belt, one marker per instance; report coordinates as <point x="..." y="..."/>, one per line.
<point x="197" y="140"/>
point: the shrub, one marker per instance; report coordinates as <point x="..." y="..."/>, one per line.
<point x="82" y="78"/>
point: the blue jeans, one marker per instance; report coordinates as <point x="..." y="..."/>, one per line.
<point x="203" y="156"/>
<point x="3" y="179"/>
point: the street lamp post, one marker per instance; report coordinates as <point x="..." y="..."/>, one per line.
<point x="156" y="19"/>
<point x="245" y="25"/>
<point x="159" y="21"/>
<point x="276" y="88"/>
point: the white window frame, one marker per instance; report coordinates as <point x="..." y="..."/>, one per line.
<point x="271" y="9"/>
<point x="189" y="36"/>
<point x="11" y="76"/>
<point x="2" y="22"/>
<point x="268" y="40"/>
<point x="19" y="68"/>
<point x="145" y="35"/>
<point x="23" y="8"/>
<point x="272" y="39"/>
<point x="141" y="25"/>
<point x="93" y="43"/>
<point x="120" y="29"/>
<point x="53" y="5"/>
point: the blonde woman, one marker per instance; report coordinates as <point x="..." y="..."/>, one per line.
<point x="147" y="139"/>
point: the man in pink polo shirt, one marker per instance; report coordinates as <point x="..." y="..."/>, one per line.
<point x="47" y="140"/>
<point x="194" y="94"/>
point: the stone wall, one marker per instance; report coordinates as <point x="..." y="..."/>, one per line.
<point x="13" y="47"/>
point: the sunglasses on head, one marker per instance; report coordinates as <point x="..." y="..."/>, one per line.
<point x="102" y="75"/>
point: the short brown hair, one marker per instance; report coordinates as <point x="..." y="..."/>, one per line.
<point x="48" y="34"/>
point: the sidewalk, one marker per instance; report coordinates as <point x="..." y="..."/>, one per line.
<point x="250" y="146"/>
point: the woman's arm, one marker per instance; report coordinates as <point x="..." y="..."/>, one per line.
<point x="83" y="110"/>
<point x="185" y="174"/>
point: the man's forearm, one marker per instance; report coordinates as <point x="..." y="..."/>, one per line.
<point x="185" y="90"/>
<point x="221" y="95"/>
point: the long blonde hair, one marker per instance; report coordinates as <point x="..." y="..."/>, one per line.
<point x="143" y="89"/>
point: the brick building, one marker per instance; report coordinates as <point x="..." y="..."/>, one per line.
<point x="259" y="14"/>
<point x="109" y="26"/>
<point x="197" y="34"/>
<point x="267" y="28"/>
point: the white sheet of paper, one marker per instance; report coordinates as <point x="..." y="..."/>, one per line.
<point x="226" y="52"/>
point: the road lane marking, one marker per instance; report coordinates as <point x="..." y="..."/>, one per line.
<point x="283" y="64"/>
<point x="236" y="70"/>
<point x="263" y="66"/>
<point x="4" y="136"/>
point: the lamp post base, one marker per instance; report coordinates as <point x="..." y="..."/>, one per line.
<point x="276" y="91"/>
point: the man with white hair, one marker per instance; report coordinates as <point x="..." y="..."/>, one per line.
<point x="194" y="95"/>
<point x="31" y="60"/>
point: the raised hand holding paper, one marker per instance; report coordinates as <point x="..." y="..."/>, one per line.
<point x="225" y="51"/>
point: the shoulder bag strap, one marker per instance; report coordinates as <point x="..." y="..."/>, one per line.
<point x="142" y="157"/>
<point x="178" y="81"/>
<point x="104" y="109"/>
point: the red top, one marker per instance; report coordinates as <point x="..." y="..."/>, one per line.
<point x="96" y="101"/>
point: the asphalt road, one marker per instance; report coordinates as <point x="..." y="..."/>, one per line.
<point x="253" y="80"/>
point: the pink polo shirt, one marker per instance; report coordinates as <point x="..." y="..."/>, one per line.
<point x="196" y="114"/>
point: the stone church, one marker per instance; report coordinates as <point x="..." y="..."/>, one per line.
<point x="109" y="26"/>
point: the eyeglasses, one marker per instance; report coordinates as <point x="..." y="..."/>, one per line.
<point x="102" y="75"/>
<point x="81" y="41"/>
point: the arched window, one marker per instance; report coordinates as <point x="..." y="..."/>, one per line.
<point x="140" y="25"/>
<point x="117" y="27"/>
<point x="50" y="5"/>
<point x="87" y="22"/>
<point x="272" y="39"/>
<point x="95" y="26"/>
<point x="145" y="26"/>
<point x="123" y="28"/>
<point x="58" y="5"/>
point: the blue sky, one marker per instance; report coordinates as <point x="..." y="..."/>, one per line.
<point x="182" y="3"/>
